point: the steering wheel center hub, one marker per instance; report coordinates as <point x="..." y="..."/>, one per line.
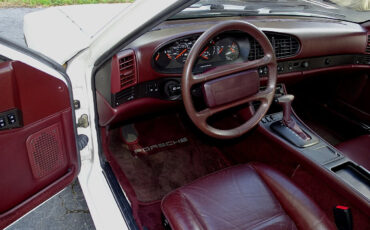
<point x="231" y="88"/>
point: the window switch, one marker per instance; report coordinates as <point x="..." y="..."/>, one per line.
<point x="11" y="119"/>
<point x="2" y="122"/>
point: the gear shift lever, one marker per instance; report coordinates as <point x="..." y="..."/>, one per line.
<point x="286" y="102"/>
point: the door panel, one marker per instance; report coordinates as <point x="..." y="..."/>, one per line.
<point x="38" y="155"/>
<point x="9" y="97"/>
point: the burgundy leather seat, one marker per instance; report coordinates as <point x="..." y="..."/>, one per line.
<point x="358" y="150"/>
<point x="251" y="196"/>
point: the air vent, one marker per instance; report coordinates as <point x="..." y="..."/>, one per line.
<point x="368" y="44"/>
<point x="366" y="60"/>
<point x="124" y="96"/>
<point x="256" y="51"/>
<point x="127" y="71"/>
<point x="124" y="73"/>
<point x="284" y="45"/>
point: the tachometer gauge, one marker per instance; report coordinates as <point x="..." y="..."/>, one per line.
<point x="163" y="58"/>
<point x="232" y="51"/>
<point x="207" y="53"/>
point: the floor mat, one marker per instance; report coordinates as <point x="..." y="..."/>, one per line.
<point x="154" y="135"/>
<point x="151" y="215"/>
<point x="154" y="175"/>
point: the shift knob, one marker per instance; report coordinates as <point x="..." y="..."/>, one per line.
<point x="286" y="102"/>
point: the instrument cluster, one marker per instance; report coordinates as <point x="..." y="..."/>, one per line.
<point x="223" y="49"/>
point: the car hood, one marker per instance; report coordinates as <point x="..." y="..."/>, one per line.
<point x="61" y="32"/>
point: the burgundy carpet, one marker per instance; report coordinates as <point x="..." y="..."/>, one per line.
<point x="154" y="175"/>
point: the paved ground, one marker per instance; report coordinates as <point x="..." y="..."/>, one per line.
<point x="11" y="23"/>
<point x="68" y="209"/>
<point x="65" y="211"/>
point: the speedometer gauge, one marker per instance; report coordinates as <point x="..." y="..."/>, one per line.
<point x="181" y="55"/>
<point x="180" y="50"/>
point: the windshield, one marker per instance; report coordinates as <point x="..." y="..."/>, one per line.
<point x="349" y="10"/>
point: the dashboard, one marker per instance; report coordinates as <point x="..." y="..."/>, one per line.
<point x="150" y="68"/>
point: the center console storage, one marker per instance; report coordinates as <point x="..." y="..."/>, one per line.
<point x="355" y="176"/>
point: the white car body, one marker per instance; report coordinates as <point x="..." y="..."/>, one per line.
<point x="76" y="37"/>
<point x="61" y="32"/>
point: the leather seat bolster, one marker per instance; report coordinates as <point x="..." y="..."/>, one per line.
<point x="304" y="212"/>
<point x="358" y="150"/>
<point x="182" y="214"/>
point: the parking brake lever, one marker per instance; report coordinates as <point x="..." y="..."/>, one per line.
<point x="286" y="102"/>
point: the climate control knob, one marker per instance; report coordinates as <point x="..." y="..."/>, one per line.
<point x="172" y="89"/>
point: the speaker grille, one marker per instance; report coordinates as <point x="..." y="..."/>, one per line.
<point x="45" y="151"/>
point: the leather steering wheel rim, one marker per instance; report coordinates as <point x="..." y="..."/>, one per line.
<point x="265" y="96"/>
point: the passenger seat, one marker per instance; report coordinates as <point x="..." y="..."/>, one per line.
<point x="358" y="150"/>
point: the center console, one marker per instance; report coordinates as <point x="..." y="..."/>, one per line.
<point x="312" y="147"/>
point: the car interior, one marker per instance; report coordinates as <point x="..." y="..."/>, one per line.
<point x="242" y="122"/>
<point x="224" y="120"/>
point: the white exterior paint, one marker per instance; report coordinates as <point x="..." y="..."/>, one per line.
<point x="19" y="56"/>
<point x="61" y="32"/>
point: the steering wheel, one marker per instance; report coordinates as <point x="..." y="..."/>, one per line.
<point x="230" y="85"/>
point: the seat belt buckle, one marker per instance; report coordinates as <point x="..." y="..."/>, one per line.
<point x="343" y="217"/>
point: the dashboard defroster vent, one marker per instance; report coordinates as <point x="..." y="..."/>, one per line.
<point x="124" y="71"/>
<point x="368" y="44"/>
<point x="284" y="45"/>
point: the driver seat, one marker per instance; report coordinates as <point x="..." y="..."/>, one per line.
<point x="250" y="196"/>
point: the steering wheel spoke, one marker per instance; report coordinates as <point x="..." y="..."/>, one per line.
<point x="196" y="79"/>
<point x="204" y="114"/>
<point x="225" y="70"/>
<point x="262" y="95"/>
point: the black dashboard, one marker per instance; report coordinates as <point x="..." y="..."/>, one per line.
<point x="226" y="48"/>
<point x="223" y="49"/>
